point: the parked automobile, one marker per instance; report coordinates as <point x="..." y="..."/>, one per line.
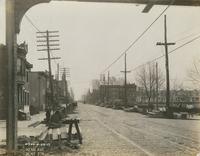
<point x="131" y="109"/>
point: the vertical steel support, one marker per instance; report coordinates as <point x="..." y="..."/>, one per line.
<point x="11" y="123"/>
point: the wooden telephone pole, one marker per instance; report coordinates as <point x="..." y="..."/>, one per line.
<point x="108" y="89"/>
<point x="65" y="71"/>
<point x="125" y="80"/>
<point x="49" y="43"/>
<point x="166" y="44"/>
<point x="58" y="72"/>
<point x="157" y="94"/>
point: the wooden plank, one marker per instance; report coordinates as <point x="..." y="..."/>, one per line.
<point x="43" y="135"/>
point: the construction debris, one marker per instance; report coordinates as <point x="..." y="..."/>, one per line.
<point x="49" y="141"/>
<point x="61" y="135"/>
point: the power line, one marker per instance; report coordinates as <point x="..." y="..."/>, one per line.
<point x="185" y="37"/>
<point x="155" y="59"/>
<point x="138" y="38"/>
<point x="31" y="22"/>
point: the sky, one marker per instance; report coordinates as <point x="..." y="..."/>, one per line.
<point x="93" y="35"/>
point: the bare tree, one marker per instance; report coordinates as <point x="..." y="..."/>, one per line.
<point x="176" y="84"/>
<point x="194" y="73"/>
<point x="95" y="84"/>
<point x="146" y="79"/>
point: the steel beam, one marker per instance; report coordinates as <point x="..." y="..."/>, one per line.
<point x="21" y="7"/>
<point x="155" y="2"/>
<point x="15" y="10"/>
<point x="11" y="122"/>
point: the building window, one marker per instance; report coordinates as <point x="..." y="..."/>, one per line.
<point x="18" y="94"/>
<point x="28" y="100"/>
<point x="27" y="76"/>
<point x="19" y="65"/>
<point x="24" y="94"/>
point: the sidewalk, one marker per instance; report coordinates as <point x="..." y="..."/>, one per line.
<point x="23" y="128"/>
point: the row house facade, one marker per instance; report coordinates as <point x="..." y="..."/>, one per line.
<point x="23" y="67"/>
<point x="182" y="98"/>
<point x="23" y="70"/>
<point x="178" y="98"/>
<point x="39" y="91"/>
<point x="3" y="82"/>
<point x="62" y="90"/>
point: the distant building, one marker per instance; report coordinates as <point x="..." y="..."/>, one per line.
<point x="39" y="91"/>
<point x="178" y="98"/>
<point x="95" y="84"/>
<point x="116" y="92"/>
<point x="183" y="97"/>
<point x="62" y="90"/>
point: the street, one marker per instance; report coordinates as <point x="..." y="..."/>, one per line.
<point x="109" y="132"/>
<point x="134" y="65"/>
<point x="115" y="132"/>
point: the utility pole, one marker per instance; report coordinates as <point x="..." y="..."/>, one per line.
<point x="58" y="68"/>
<point x="39" y="91"/>
<point x="125" y="80"/>
<point x="166" y="44"/>
<point x="157" y="86"/>
<point x="65" y="73"/>
<point x="48" y="37"/>
<point x="108" y="92"/>
<point x="104" y="88"/>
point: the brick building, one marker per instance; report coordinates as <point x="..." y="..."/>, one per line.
<point x="39" y="91"/>
<point x="116" y="92"/>
<point x="22" y="80"/>
<point x="23" y="70"/>
<point x="3" y="82"/>
<point x="62" y="90"/>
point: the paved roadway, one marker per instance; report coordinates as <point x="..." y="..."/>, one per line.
<point x="108" y="132"/>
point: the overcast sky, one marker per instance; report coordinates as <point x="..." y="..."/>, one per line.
<point x="93" y="35"/>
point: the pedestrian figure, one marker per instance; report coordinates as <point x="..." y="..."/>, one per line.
<point x="56" y="117"/>
<point x="48" y="115"/>
<point x="189" y="108"/>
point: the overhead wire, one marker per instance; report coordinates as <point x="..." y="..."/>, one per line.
<point x="138" y="38"/>
<point x="31" y="22"/>
<point x="157" y="58"/>
<point x="185" y="37"/>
